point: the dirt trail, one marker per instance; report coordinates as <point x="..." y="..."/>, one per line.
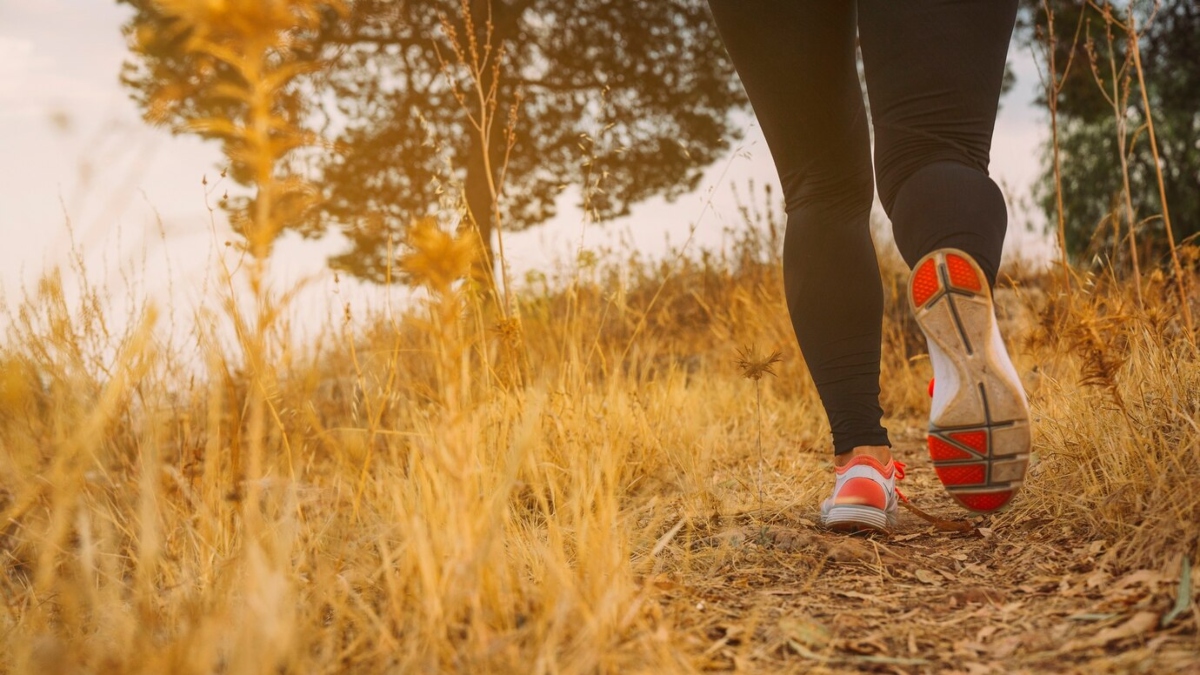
<point x="1025" y="597"/>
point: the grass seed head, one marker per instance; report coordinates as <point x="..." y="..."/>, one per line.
<point x="509" y="330"/>
<point x="754" y="366"/>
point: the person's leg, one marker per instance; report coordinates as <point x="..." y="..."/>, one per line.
<point x="934" y="70"/>
<point x="797" y="63"/>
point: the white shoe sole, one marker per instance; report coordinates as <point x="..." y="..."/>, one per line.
<point x="979" y="433"/>
<point x="856" y="518"/>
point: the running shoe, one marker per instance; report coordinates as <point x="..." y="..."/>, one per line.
<point x="865" y="497"/>
<point x="979" y="432"/>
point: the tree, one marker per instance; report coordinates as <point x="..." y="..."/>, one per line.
<point x="626" y="98"/>
<point x="1092" y="181"/>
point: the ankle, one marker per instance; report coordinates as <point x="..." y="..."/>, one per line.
<point x="881" y="453"/>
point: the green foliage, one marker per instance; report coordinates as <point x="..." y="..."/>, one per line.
<point x="627" y="99"/>
<point x="1092" y="182"/>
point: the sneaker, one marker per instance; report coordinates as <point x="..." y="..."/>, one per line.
<point x="864" y="497"/>
<point x="979" y="433"/>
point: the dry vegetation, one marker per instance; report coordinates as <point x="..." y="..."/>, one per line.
<point x="578" y="480"/>
<point x="436" y="494"/>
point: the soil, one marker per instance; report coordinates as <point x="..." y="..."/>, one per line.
<point x="1008" y="597"/>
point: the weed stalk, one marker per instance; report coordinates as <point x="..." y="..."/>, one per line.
<point x="1180" y="279"/>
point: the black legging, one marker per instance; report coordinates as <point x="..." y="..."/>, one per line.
<point x="933" y="72"/>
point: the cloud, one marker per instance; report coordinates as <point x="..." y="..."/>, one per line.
<point x="37" y="7"/>
<point x="16" y="60"/>
<point x="32" y="82"/>
<point x="16" y="67"/>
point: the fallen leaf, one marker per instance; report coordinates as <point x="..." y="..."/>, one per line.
<point x="927" y="577"/>
<point x="986" y="632"/>
<point x="1183" y="597"/>
<point x="1066" y="590"/>
<point x="1142" y="622"/>
<point x="805" y="632"/>
<point x="977" y="569"/>
<point x="1138" y="577"/>
<point x="850" y="550"/>
<point x="1006" y="647"/>
<point x="1138" y="624"/>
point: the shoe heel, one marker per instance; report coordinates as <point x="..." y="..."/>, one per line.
<point x="979" y="431"/>
<point x="856" y="518"/>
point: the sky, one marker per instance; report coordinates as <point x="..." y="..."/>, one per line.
<point x="77" y="164"/>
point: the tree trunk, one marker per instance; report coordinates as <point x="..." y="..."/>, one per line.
<point x="479" y="210"/>
<point x="481" y="206"/>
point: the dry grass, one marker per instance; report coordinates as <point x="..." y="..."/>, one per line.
<point x="576" y="480"/>
<point x="435" y="494"/>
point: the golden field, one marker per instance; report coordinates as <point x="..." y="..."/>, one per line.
<point x="593" y="472"/>
<point x="590" y="489"/>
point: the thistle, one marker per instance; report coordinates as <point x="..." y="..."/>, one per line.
<point x="754" y="367"/>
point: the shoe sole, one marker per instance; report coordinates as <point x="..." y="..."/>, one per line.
<point x="853" y="518"/>
<point x="980" y="441"/>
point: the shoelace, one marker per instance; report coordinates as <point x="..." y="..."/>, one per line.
<point x="939" y="523"/>
<point x="900" y="476"/>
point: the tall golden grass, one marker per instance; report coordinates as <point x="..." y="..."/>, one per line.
<point x="422" y="506"/>
<point x="447" y="490"/>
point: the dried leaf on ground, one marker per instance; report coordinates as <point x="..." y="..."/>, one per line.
<point x="1138" y="624"/>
